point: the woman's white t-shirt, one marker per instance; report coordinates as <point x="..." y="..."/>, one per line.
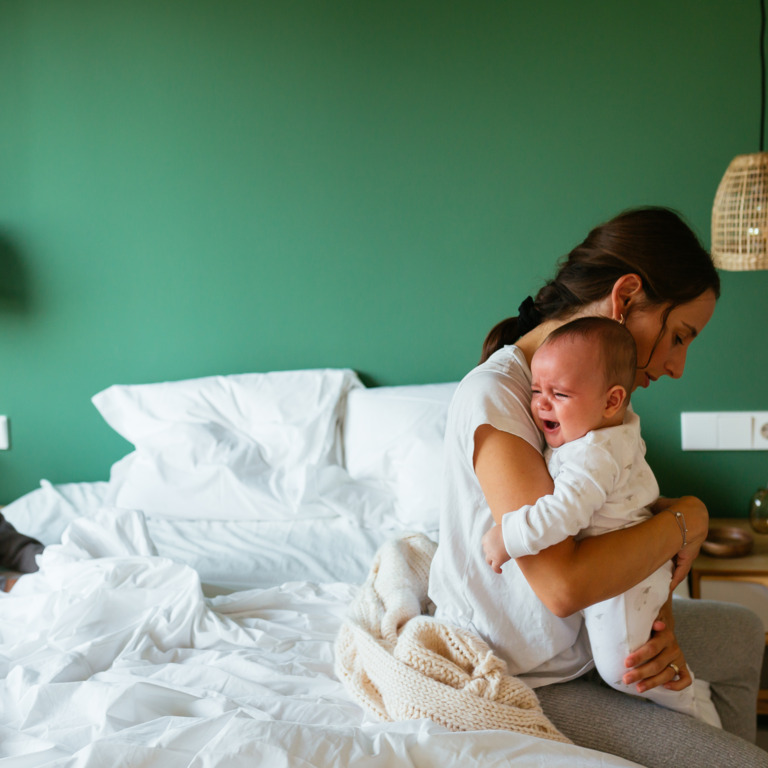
<point x="538" y="646"/>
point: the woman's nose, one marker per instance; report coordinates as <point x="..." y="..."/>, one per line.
<point x="676" y="365"/>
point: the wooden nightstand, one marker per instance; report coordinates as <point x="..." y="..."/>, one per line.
<point x="752" y="568"/>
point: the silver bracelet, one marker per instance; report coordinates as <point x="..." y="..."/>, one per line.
<point x="681" y="525"/>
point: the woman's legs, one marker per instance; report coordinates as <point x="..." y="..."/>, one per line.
<point x="593" y="715"/>
<point x="723" y="644"/>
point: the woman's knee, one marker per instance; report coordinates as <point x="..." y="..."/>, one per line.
<point x="711" y="632"/>
<point x="724" y="644"/>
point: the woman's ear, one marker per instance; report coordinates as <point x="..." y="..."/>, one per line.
<point x="627" y="290"/>
<point x="614" y="401"/>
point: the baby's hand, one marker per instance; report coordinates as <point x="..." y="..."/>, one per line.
<point x="495" y="551"/>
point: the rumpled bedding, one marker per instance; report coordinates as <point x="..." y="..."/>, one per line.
<point x="111" y="655"/>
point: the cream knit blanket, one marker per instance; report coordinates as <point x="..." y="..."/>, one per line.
<point x="401" y="664"/>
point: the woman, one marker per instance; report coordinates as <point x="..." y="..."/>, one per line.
<point x="647" y="269"/>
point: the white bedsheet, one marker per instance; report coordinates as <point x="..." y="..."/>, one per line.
<point x="227" y="554"/>
<point x="112" y="656"/>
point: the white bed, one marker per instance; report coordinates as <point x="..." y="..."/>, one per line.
<point x="185" y="612"/>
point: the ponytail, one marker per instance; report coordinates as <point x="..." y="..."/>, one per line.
<point x="510" y="330"/>
<point x="499" y="336"/>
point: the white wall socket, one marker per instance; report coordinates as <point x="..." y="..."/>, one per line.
<point x="725" y="431"/>
<point x="760" y="434"/>
<point x="5" y="442"/>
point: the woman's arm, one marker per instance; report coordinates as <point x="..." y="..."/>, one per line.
<point x="511" y="472"/>
<point x="685" y="557"/>
<point x="573" y="574"/>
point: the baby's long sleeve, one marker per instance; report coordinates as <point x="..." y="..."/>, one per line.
<point x="17" y="551"/>
<point x="581" y="488"/>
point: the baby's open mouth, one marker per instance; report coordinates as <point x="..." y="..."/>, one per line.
<point x="551" y="425"/>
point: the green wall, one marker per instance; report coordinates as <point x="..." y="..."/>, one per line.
<point x="198" y="187"/>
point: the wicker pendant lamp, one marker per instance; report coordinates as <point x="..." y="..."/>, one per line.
<point x="740" y="210"/>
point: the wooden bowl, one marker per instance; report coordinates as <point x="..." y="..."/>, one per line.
<point x="727" y="542"/>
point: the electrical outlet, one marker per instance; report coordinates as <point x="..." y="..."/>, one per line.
<point x="725" y="431"/>
<point x="760" y="430"/>
<point x="5" y="442"/>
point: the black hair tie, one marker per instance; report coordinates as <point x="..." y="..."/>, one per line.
<point x="528" y="317"/>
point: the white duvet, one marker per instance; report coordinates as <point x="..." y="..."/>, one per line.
<point x="112" y="656"/>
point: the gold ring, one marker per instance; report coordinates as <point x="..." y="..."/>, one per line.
<point x="675" y="669"/>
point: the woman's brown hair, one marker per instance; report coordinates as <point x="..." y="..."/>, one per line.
<point x="654" y="243"/>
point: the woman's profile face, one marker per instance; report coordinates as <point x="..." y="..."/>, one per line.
<point x="661" y="349"/>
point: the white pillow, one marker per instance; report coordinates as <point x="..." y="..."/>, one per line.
<point x="46" y="511"/>
<point x="393" y="439"/>
<point x="247" y="446"/>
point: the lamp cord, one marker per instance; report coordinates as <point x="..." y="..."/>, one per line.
<point x="762" y="73"/>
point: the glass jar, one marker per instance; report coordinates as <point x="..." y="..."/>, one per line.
<point x="758" y="511"/>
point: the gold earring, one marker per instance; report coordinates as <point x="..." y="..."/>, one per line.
<point x="621" y="320"/>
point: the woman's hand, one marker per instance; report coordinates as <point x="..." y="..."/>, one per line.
<point x="651" y="664"/>
<point x="696" y="519"/>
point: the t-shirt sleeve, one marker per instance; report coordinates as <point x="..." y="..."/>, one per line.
<point x="498" y="399"/>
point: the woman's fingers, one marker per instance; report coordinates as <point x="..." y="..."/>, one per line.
<point x="681" y="677"/>
<point x="658" y="662"/>
<point x="655" y="654"/>
<point x="652" y="673"/>
<point x="674" y="676"/>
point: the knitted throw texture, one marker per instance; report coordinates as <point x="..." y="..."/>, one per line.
<point x="401" y="664"/>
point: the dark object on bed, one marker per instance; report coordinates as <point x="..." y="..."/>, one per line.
<point x="17" y="551"/>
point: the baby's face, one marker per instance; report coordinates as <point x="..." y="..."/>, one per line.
<point x="569" y="390"/>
